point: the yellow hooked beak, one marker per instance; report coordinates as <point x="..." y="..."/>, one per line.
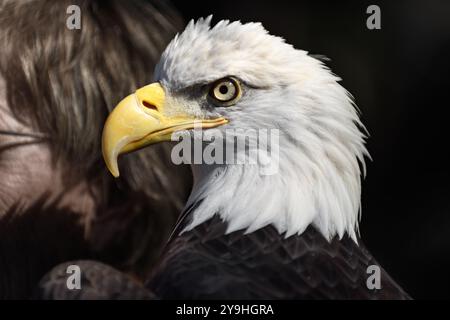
<point x="139" y="120"/>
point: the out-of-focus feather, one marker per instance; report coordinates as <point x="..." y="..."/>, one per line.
<point x="98" y="281"/>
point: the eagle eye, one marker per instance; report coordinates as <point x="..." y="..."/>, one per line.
<point x="225" y="92"/>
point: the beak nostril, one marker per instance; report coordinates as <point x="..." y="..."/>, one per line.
<point x="149" y="105"/>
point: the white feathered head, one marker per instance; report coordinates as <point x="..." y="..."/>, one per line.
<point x="237" y="76"/>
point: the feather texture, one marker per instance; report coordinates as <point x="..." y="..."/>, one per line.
<point x="204" y="263"/>
<point x="321" y="138"/>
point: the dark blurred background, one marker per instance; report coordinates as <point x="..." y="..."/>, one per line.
<point x="399" y="76"/>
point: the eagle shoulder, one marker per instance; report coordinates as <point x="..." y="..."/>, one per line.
<point x="206" y="263"/>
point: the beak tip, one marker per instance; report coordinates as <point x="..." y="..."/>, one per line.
<point x="111" y="163"/>
<point x="113" y="168"/>
<point x="115" y="174"/>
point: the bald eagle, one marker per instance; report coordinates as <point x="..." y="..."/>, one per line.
<point x="57" y="201"/>
<point x="244" y="234"/>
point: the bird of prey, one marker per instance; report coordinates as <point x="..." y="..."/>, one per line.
<point x="57" y="201"/>
<point x="246" y="234"/>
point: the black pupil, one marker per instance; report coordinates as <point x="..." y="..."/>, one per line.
<point x="223" y="89"/>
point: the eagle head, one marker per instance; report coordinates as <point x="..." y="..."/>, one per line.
<point x="237" y="76"/>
